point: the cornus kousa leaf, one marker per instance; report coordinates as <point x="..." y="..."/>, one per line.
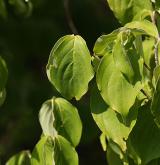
<point x="104" y="44"/>
<point x="22" y="158"/>
<point x="145" y="136"/>
<point x="127" y="10"/>
<point x="3" y="74"/>
<point x="116" y="91"/>
<point x="127" y="58"/>
<point x="54" y="151"/>
<point x="58" y="116"/>
<point x="69" y="67"/>
<point x="109" y="122"/>
<point x="144" y="25"/>
<point x="148" y="49"/>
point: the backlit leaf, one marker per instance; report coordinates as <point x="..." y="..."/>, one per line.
<point x="58" y="116"/>
<point x="54" y="151"/>
<point x="69" y="67"/>
<point x="22" y="158"/>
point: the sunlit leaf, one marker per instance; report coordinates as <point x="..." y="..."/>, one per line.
<point x="117" y="92"/>
<point x="22" y="158"/>
<point x="109" y="122"/>
<point x="58" y="116"/>
<point x="54" y="151"/>
<point x="126" y="10"/>
<point x="69" y="67"/>
<point x="144" y="25"/>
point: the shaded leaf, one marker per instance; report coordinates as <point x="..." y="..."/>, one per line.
<point x="3" y="10"/>
<point x="145" y="136"/>
<point x="113" y="158"/>
<point x="22" y="8"/>
<point x="2" y="96"/>
<point x="3" y="74"/>
<point x="155" y="105"/>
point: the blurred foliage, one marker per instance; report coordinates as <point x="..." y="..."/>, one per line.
<point x="25" y="44"/>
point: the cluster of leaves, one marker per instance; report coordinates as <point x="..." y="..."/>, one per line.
<point x="124" y="101"/>
<point x="62" y="129"/>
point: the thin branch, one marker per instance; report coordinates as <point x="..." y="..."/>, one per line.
<point x="69" y="17"/>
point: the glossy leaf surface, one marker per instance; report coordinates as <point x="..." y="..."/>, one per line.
<point x="58" y="116"/>
<point x="144" y="25"/>
<point x="54" y="151"/>
<point x="69" y="67"/>
<point x="117" y="92"/>
<point x="109" y="122"/>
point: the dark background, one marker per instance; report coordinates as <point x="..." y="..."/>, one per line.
<point x="25" y="44"/>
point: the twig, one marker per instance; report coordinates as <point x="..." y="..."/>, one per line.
<point x="69" y="17"/>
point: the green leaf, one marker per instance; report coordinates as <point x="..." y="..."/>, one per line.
<point x="3" y="74"/>
<point x="109" y="122"/>
<point x="104" y="44"/>
<point x="126" y="10"/>
<point x="113" y="158"/>
<point x="155" y="105"/>
<point x="103" y="141"/>
<point x="22" y="158"/>
<point x="127" y="58"/>
<point x="22" y="8"/>
<point x="148" y="50"/>
<point x="58" y="116"/>
<point x="117" y="92"/>
<point x="144" y="25"/>
<point x="145" y="136"/>
<point x="3" y="11"/>
<point x="54" y="151"/>
<point x="69" y="67"/>
<point x="2" y="96"/>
